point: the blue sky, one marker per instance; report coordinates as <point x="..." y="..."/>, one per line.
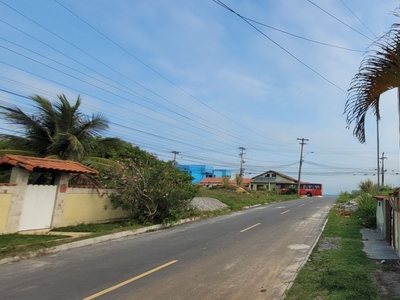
<point x="191" y="76"/>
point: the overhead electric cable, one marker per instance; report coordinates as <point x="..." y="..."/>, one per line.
<point x="206" y="125"/>
<point x="284" y="49"/>
<point x="358" y="19"/>
<point x="300" y="37"/>
<point x="162" y="76"/>
<point x="339" y="20"/>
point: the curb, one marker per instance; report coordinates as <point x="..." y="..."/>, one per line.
<point x="91" y="241"/>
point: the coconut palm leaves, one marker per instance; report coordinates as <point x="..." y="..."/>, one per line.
<point x="379" y="72"/>
<point x="57" y="130"/>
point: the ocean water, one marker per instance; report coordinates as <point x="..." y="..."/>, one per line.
<point x="330" y="196"/>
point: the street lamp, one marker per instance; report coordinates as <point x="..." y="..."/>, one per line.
<point x="301" y="163"/>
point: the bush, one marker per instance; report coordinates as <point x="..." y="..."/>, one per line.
<point x="151" y="191"/>
<point x="346" y="196"/>
<point x="289" y="191"/>
<point x="366" y="186"/>
<point x="367" y="210"/>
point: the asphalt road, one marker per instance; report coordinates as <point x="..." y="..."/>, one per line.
<point x="252" y="254"/>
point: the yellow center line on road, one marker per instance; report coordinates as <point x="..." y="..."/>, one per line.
<point x="249" y="227"/>
<point x="284" y="212"/>
<point x="130" y="280"/>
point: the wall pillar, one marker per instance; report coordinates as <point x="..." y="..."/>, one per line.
<point x="61" y="180"/>
<point x="20" y="177"/>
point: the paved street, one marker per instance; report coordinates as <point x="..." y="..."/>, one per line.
<point x="252" y="254"/>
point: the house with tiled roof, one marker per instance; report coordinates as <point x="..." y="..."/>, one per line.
<point x="28" y="207"/>
<point x="38" y="164"/>
<point x="210" y="182"/>
<point x="267" y="180"/>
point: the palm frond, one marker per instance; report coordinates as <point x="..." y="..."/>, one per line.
<point x="379" y="72"/>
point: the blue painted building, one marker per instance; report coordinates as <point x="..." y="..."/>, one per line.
<point x="199" y="172"/>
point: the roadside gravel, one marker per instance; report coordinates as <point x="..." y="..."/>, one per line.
<point x="207" y="204"/>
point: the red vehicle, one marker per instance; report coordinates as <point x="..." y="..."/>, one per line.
<point x="308" y="189"/>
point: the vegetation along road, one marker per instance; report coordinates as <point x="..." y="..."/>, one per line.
<point x="251" y="254"/>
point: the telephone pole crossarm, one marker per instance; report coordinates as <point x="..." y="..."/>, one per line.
<point x="175" y="154"/>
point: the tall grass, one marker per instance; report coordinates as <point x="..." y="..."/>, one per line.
<point x="367" y="210"/>
<point x="342" y="272"/>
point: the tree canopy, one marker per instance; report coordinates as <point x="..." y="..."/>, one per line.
<point x="55" y="129"/>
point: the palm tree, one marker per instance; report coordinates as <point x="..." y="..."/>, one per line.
<point x="56" y="130"/>
<point x="379" y="72"/>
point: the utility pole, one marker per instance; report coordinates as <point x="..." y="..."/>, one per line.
<point x="302" y="143"/>
<point x="377" y="151"/>
<point x="241" y="172"/>
<point x="175" y="154"/>
<point x="383" y="167"/>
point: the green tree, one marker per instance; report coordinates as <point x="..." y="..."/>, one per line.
<point x="56" y="130"/>
<point x="150" y="189"/>
<point x="379" y="72"/>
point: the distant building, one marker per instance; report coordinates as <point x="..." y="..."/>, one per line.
<point x="199" y="172"/>
<point x="210" y="182"/>
<point x="267" y="180"/>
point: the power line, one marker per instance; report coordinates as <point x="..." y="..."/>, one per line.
<point x="284" y="49"/>
<point x="339" y="20"/>
<point x="358" y="18"/>
<point x="303" y="38"/>
<point x="162" y="76"/>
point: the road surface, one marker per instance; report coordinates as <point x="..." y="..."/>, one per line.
<point x="252" y="254"/>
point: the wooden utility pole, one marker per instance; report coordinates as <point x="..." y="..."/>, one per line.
<point x="241" y="172"/>
<point x="383" y="167"/>
<point x="302" y="143"/>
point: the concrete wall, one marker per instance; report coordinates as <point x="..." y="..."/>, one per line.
<point x="85" y="206"/>
<point x="5" y="203"/>
<point x="78" y="205"/>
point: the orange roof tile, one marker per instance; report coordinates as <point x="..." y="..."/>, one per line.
<point x="34" y="163"/>
<point x="211" y="180"/>
<point x="244" y="181"/>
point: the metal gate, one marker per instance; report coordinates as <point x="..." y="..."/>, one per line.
<point x="38" y="207"/>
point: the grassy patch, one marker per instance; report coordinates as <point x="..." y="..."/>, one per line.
<point x="105" y="228"/>
<point x="16" y="239"/>
<point x="343" y="272"/>
<point x="236" y="201"/>
<point x="17" y="244"/>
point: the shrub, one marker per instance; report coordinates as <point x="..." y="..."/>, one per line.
<point x="151" y="191"/>
<point x="367" y="210"/>
<point x="239" y="180"/>
<point x="366" y="186"/>
<point x="289" y="191"/>
<point x="226" y="181"/>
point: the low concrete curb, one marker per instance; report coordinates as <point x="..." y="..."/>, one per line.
<point x="91" y="241"/>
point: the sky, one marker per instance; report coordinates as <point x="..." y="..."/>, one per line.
<point x="193" y="77"/>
